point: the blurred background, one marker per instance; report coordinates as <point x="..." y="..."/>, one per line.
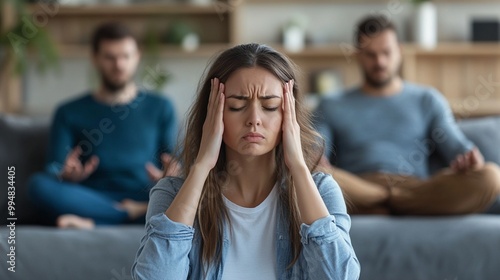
<point x="452" y="45"/>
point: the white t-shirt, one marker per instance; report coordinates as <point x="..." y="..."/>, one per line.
<point x="252" y="249"/>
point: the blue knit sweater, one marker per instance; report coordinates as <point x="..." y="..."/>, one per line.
<point x="124" y="137"/>
<point x="394" y="134"/>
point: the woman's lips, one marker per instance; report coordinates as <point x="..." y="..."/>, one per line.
<point x="253" y="137"/>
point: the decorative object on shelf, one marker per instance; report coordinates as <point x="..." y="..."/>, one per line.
<point x="23" y="36"/>
<point x="425" y="23"/>
<point x="182" y="34"/>
<point x="117" y="2"/>
<point x="156" y="1"/>
<point x="294" y="34"/>
<point x="75" y="2"/>
<point x="326" y="82"/>
<point x="201" y="2"/>
<point x="485" y="30"/>
<point x="323" y="82"/>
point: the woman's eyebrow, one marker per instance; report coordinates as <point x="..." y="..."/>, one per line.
<point x="269" y="97"/>
<point x="246" y="97"/>
<point x="239" y="97"/>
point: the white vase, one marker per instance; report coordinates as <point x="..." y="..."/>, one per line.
<point x="190" y="42"/>
<point x="293" y="39"/>
<point x="425" y="25"/>
<point x="201" y="2"/>
<point x="78" y="2"/>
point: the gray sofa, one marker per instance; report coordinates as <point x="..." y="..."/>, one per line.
<point x="427" y="248"/>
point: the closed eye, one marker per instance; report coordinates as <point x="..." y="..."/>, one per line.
<point x="271" y="108"/>
<point x="235" y="109"/>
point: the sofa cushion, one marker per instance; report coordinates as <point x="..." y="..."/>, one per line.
<point x="423" y="248"/>
<point x="103" y="253"/>
<point x="23" y="144"/>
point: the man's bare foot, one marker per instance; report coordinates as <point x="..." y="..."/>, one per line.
<point x="74" y="221"/>
<point x="135" y="209"/>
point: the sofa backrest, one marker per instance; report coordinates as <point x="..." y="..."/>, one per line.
<point x="484" y="133"/>
<point x="23" y="144"/>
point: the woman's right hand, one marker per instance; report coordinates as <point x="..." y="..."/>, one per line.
<point x="185" y="204"/>
<point x="213" y="128"/>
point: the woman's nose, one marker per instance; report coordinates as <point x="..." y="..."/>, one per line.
<point x="254" y="117"/>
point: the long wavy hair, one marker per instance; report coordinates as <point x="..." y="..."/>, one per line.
<point x="211" y="210"/>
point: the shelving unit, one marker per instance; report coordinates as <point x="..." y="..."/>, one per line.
<point x="353" y="1"/>
<point x="456" y="69"/>
<point x="73" y="25"/>
<point x="71" y="28"/>
<point x="164" y="51"/>
<point x="465" y="73"/>
<point x="128" y="10"/>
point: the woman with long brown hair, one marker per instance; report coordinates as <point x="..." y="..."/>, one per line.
<point x="250" y="204"/>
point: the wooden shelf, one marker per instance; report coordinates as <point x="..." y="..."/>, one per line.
<point x="317" y="51"/>
<point x="333" y="2"/>
<point x="166" y="51"/>
<point x="456" y="49"/>
<point x="281" y="2"/>
<point x="442" y="49"/>
<point x="327" y="50"/>
<point x="131" y="9"/>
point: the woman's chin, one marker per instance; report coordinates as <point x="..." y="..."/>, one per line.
<point x="254" y="151"/>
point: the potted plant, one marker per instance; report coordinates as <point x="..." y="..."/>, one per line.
<point x="22" y="37"/>
<point x="154" y="76"/>
<point x="182" y="34"/>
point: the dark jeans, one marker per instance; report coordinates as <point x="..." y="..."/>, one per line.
<point x="56" y="197"/>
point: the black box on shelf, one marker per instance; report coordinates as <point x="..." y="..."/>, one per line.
<point x="485" y="30"/>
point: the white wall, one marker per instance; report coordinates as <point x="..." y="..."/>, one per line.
<point x="326" y="22"/>
<point x="332" y="23"/>
<point x="43" y="92"/>
<point x="454" y="20"/>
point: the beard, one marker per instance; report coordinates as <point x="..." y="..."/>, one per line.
<point x="112" y="86"/>
<point x="379" y="83"/>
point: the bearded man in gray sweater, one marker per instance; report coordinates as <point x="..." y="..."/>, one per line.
<point x="381" y="135"/>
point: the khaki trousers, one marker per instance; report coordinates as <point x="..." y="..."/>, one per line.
<point x="445" y="193"/>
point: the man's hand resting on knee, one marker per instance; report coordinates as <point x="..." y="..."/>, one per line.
<point x="74" y="170"/>
<point x="470" y="160"/>
<point x="171" y="166"/>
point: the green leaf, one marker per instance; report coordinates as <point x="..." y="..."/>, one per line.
<point x="40" y="45"/>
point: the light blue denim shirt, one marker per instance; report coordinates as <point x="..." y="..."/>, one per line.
<point x="171" y="250"/>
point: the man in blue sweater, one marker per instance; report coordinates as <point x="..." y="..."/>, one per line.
<point x="383" y="132"/>
<point x="107" y="146"/>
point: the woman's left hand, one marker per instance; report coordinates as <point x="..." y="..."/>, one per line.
<point x="292" y="147"/>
